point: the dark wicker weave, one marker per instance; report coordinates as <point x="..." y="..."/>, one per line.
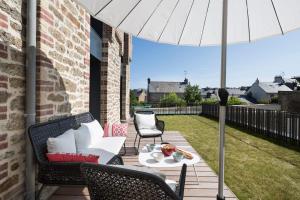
<point x="160" y="125"/>
<point x="113" y="183"/>
<point x="55" y="173"/>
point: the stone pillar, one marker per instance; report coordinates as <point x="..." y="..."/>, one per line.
<point x="126" y="77"/>
<point x="110" y="75"/>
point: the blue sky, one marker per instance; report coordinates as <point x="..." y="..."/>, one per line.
<point x="262" y="59"/>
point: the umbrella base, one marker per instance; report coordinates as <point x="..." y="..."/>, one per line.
<point x="219" y="198"/>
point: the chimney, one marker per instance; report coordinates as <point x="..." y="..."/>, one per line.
<point x="186" y="81"/>
<point x="278" y="79"/>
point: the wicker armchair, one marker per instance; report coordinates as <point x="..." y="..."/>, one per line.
<point x="56" y="173"/>
<point x="113" y="183"/>
<point x="160" y="125"/>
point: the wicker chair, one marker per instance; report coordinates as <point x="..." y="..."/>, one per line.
<point x="114" y="183"/>
<point x="160" y="125"/>
<point x="56" y="173"/>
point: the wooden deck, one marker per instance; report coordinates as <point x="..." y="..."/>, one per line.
<point x="205" y="189"/>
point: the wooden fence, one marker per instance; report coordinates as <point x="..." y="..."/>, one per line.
<point x="184" y="110"/>
<point x="272" y="123"/>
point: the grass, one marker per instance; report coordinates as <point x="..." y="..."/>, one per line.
<point x="254" y="168"/>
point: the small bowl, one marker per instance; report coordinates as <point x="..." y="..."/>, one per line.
<point x="158" y="156"/>
<point x="177" y="156"/>
<point x="168" y="149"/>
<point x="150" y="147"/>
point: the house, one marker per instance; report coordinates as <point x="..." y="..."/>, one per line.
<point x="263" y="92"/>
<point x="157" y="89"/>
<point x="82" y="65"/>
<point x="289" y="82"/>
<point x="297" y="78"/>
<point x="213" y="92"/>
<point x="140" y="94"/>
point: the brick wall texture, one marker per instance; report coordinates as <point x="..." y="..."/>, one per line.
<point x="63" y="61"/>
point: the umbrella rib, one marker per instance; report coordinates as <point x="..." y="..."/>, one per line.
<point x="277" y="17"/>
<point x="186" y="21"/>
<point x="204" y="22"/>
<point x="103" y="7"/>
<point x="248" y="19"/>
<point x="149" y="17"/>
<point x="129" y="13"/>
<point x="168" y="20"/>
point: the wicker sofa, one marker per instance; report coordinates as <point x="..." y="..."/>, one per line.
<point x="56" y="173"/>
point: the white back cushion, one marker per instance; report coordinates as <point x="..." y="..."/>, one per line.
<point x="64" y="143"/>
<point x="88" y="135"/>
<point x="145" y="121"/>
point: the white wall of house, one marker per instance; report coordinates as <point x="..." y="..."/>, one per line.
<point x="258" y="93"/>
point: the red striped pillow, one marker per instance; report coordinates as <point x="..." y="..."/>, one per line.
<point x="72" y="157"/>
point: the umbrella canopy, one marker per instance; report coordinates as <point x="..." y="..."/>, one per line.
<point x="200" y="23"/>
<point x="197" y="22"/>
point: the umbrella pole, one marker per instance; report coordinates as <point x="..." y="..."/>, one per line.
<point x="223" y="95"/>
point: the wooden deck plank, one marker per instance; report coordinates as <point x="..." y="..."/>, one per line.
<point x="205" y="189"/>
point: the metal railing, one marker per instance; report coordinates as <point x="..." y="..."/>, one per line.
<point x="271" y="123"/>
<point x="176" y="110"/>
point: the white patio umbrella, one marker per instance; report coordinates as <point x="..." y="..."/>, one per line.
<point x="200" y="23"/>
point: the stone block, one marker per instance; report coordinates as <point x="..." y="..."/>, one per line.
<point x="55" y="97"/>
<point x="18" y="103"/>
<point x="8" y="183"/>
<point x="15" y="122"/>
<point x="4" y="95"/>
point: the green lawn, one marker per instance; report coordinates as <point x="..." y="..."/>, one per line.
<point x="254" y="168"/>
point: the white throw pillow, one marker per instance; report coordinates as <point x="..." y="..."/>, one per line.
<point x="64" y="143"/>
<point x="88" y="135"/>
<point x="145" y="121"/>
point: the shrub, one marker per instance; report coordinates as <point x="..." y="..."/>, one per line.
<point x="133" y="99"/>
<point x="210" y="101"/>
<point x="170" y="100"/>
<point x="234" y="101"/>
<point x="274" y="99"/>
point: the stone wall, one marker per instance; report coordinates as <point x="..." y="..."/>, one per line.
<point x="12" y="91"/>
<point x="63" y="59"/>
<point x="62" y="76"/>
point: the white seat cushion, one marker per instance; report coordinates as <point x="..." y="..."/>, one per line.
<point x="88" y="135"/>
<point x="150" y="132"/>
<point x="104" y="156"/>
<point x="110" y="144"/>
<point x="172" y="184"/>
<point x="64" y="143"/>
<point x="145" y="121"/>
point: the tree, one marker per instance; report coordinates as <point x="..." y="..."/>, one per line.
<point x="192" y="94"/>
<point x="133" y="99"/>
<point x="171" y="99"/>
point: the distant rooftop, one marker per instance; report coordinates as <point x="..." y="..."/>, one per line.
<point x="139" y="91"/>
<point x="167" y="86"/>
<point x="273" y="88"/>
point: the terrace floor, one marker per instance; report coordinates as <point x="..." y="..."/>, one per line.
<point x="206" y="188"/>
